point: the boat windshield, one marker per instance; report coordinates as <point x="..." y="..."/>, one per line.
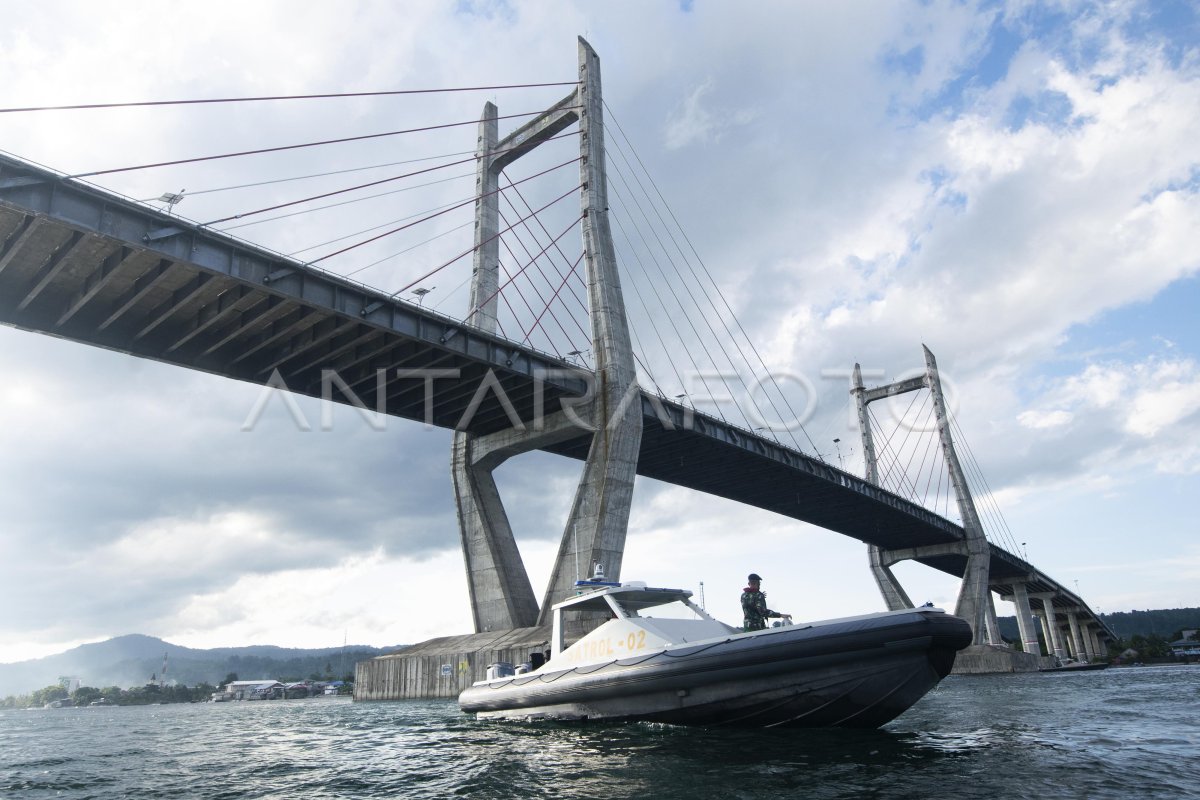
<point x="631" y="598"/>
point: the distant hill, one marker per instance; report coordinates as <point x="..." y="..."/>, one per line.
<point x="1127" y="624"/>
<point x="130" y="661"/>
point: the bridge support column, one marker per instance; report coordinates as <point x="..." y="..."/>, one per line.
<point x="1025" y="623"/>
<point x="1054" y="638"/>
<point x="501" y="597"/>
<point x="993" y="624"/>
<point x="599" y="519"/>
<point x="1098" y="647"/>
<point x="1081" y="650"/>
<point x="974" y="598"/>
<point x="1041" y="618"/>
<point x="893" y="593"/>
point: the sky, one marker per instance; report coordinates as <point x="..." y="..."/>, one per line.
<point x="1013" y="185"/>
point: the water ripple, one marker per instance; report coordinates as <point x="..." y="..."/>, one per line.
<point x="1014" y="736"/>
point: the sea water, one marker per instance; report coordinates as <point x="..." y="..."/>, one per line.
<point x="1121" y="733"/>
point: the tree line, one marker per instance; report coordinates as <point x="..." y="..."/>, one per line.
<point x="1147" y="632"/>
<point x="152" y="693"/>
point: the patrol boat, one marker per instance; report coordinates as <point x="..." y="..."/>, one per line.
<point x="855" y="672"/>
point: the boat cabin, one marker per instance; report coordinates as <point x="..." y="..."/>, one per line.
<point x="630" y="631"/>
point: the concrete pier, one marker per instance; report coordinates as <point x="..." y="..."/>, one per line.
<point x="989" y="659"/>
<point x="443" y="667"/>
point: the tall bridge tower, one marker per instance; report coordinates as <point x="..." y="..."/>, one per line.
<point x="974" y="597"/>
<point x="501" y="595"/>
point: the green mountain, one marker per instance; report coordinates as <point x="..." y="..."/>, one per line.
<point x="131" y="660"/>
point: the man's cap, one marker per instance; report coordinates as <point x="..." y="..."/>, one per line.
<point x="754" y="576"/>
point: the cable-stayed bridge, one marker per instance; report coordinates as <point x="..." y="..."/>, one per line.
<point x="84" y="264"/>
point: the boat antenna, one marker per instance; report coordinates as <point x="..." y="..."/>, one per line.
<point x="702" y="596"/>
<point x="575" y="527"/>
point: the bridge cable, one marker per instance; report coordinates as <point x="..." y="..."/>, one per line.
<point x="892" y="432"/>
<point x="640" y="297"/>
<point x="323" y="195"/>
<point x="511" y="278"/>
<point x="574" y="270"/>
<point x="620" y="151"/>
<point x="639" y="348"/>
<point x="368" y="197"/>
<point x="700" y="338"/>
<point x="902" y="447"/>
<point x="668" y="313"/>
<point x="438" y="214"/>
<point x="684" y="314"/>
<point x="292" y="178"/>
<point x="203" y="101"/>
<point x="410" y="249"/>
<point x="350" y="189"/>
<point x="931" y="440"/>
<point x="713" y="282"/>
<point x="985" y="498"/>
<point x="897" y="486"/>
<point x="476" y="247"/>
<point x="546" y="307"/>
<point x="1003" y="527"/>
<point x="921" y="468"/>
<point x="516" y="318"/>
<point x="669" y="317"/>
<point x="454" y="292"/>
<point x="902" y="416"/>
<point x="886" y="457"/>
<point x="564" y="278"/>
<point x="983" y="477"/>
<point x="542" y="225"/>
<point x="362" y="231"/>
<point x="687" y="286"/>
<point x="500" y="289"/>
<point x="943" y="475"/>
<point x="902" y="477"/>
<point x="315" y="209"/>
<point x="696" y="305"/>
<point x="537" y="290"/>
<point x="300" y="146"/>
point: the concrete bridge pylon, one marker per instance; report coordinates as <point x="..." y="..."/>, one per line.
<point x="974" y="602"/>
<point x="501" y="595"/>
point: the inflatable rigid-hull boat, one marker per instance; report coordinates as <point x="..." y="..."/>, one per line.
<point x="855" y="672"/>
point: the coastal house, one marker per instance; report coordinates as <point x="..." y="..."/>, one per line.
<point x="261" y="689"/>
<point x="1187" y="646"/>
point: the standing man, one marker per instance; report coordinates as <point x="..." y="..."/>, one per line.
<point x="754" y="605"/>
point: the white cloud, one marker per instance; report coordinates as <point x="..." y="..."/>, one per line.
<point x="693" y="123"/>
<point x="1044" y="419"/>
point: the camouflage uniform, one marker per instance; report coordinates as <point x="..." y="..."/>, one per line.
<point x="755" y="611"/>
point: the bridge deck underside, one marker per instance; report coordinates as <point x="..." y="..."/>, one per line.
<point x="83" y="265"/>
<point x="89" y="288"/>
